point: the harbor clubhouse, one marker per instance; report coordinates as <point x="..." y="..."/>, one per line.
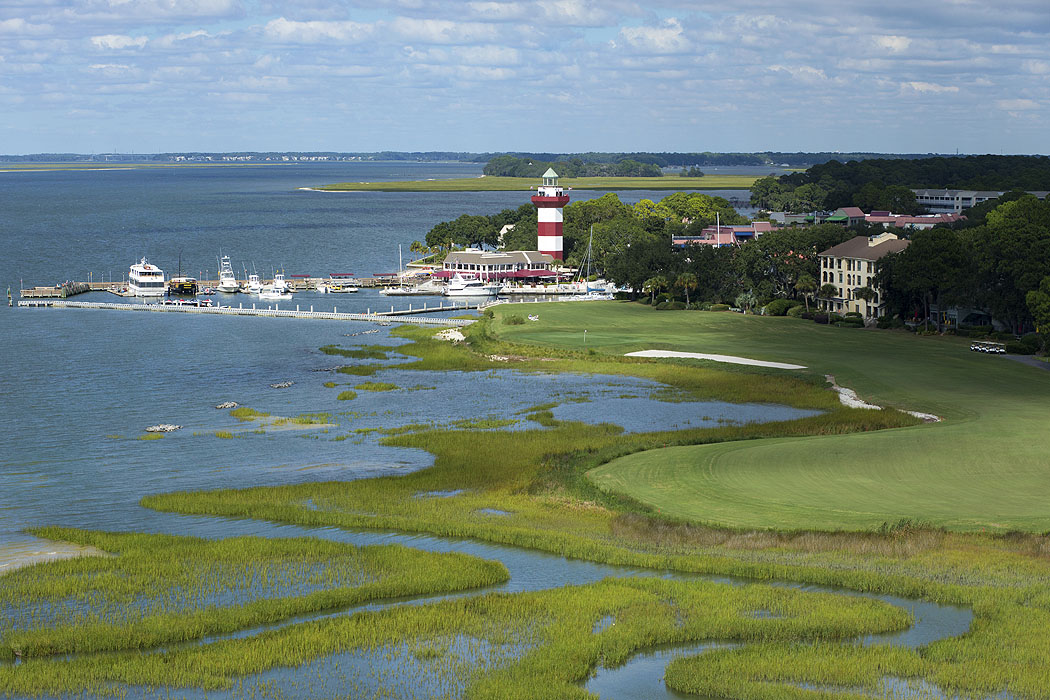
<point x="498" y="265"/>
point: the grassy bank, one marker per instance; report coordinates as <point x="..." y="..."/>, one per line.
<point x="523" y="184"/>
<point x="984" y="467"/>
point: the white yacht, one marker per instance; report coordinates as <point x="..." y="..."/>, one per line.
<point x="460" y="286"/>
<point x="227" y="280"/>
<point x="253" y="286"/>
<point x="278" y="290"/>
<point x="145" y="280"/>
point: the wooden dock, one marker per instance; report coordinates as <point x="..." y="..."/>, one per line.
<point x="382" y="318"/>
<point x="59" y="291"/>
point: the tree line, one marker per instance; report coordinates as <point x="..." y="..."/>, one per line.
<point x="509" y="166"/>
<point x="887" y="183"/>
<point x="994" y="265"/>
<point x="997" y="259"/>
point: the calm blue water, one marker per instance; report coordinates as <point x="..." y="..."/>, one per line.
<point x="78" y="387"/>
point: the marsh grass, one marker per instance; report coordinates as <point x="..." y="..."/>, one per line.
<point x="223" y="434"/>
<point x="161" y="589"/>
<point x="347" y="395"/>
<point x="359" y="370"/>
<point x="243" y="413"/>
<point x="377" y="386"/>
<point x="150" y="436"/>
<point x="360" y="352"/>
<point x="329" y="385"/>
<point x="306" y="419"/>
<point x="536" y="645"/>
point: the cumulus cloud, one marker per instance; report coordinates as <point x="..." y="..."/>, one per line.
<point x="663" y="39"/>
<point x="117" y="42"/>
<point x="442" y="31"/>
<point x="892" y="43"/>
<point x="17" y="25"/>
<point x="805" y="74"/>
<point x="1017" y="105"/>
<point x="923" y="87"/>
<point x="282" y="29"/>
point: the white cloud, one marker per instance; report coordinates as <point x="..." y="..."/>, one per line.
<point x="118" y="42"/>
<point x="805" y="74"/>
<point x="282" y="29"/>
<point x="665" y="39"/>
<point x="171" y="40"/>
<point x="892" y="43"/>
<point x="17" y="25"/>
<point x="441" y="31"/>
<point x="1017" y="105"/>
<point x="922" y="87"/>
<point x="1035" y="67"/>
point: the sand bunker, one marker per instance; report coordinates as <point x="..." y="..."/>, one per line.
<point x="849" y="398"/>
<point x="731" y="359"/>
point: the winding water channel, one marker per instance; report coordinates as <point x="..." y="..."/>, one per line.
<point x="78" y="386"/>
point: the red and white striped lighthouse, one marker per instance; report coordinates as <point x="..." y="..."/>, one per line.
<point x="549" y="200"/>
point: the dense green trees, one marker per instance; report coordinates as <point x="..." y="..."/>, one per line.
<point x="509" y="166"/>
<point x="993" y="266"/>
<point x="886" y="184"/>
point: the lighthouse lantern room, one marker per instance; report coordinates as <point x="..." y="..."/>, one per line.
<point x="549" y="200"/>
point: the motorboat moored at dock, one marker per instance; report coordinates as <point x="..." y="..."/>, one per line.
<point x="145" y="280"/>
<point x="227" y="280"/>
<point x="460" y="286"/>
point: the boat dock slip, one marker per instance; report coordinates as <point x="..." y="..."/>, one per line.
<point x="275" y="312"/>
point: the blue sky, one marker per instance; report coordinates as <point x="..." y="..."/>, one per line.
<point x="531" y="75"/>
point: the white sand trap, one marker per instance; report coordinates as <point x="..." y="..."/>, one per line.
<point x="731" y="359"/>
<point x="848" y="397"/>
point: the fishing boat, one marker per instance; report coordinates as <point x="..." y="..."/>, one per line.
<point x="145" y="280"/>
<point x="227" y="280"/>
<point x="460" y="286"/>
<point x="182" y="286"/>
<point x="276" y="291"/>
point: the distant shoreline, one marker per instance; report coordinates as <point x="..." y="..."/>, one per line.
<point x="524" y="184"/>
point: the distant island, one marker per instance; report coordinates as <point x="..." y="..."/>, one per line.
<point x="664" y="160"/>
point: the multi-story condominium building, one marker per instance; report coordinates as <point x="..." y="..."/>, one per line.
<point x="937" y="201"/>
<point x="851" y="266"/>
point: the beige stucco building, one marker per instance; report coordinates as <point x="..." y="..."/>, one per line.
<point x="851" y="266"/>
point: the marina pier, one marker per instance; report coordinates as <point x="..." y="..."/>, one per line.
<point x="383" y="318"/>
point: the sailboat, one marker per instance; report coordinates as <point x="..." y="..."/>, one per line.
<point x="402" y="290"/>
<point x="589" y="292"/>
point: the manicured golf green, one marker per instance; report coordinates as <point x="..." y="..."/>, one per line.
<point x="523" y="184"/>
<point x="986" y="466"/>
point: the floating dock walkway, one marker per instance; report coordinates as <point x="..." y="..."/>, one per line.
<point x="382" y="318"/>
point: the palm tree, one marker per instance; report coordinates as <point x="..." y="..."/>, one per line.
<point x="827" y="292"/>
<point x="867" y="294"/>
<point x="687" y="281"/>
<point x="654" y="285"/>
<point x="805" y="286"/>
<point x="746" y="301"/>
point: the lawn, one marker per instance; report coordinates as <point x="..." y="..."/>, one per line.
<point x="985" y="466"/>
<point x="524" y="184"/>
